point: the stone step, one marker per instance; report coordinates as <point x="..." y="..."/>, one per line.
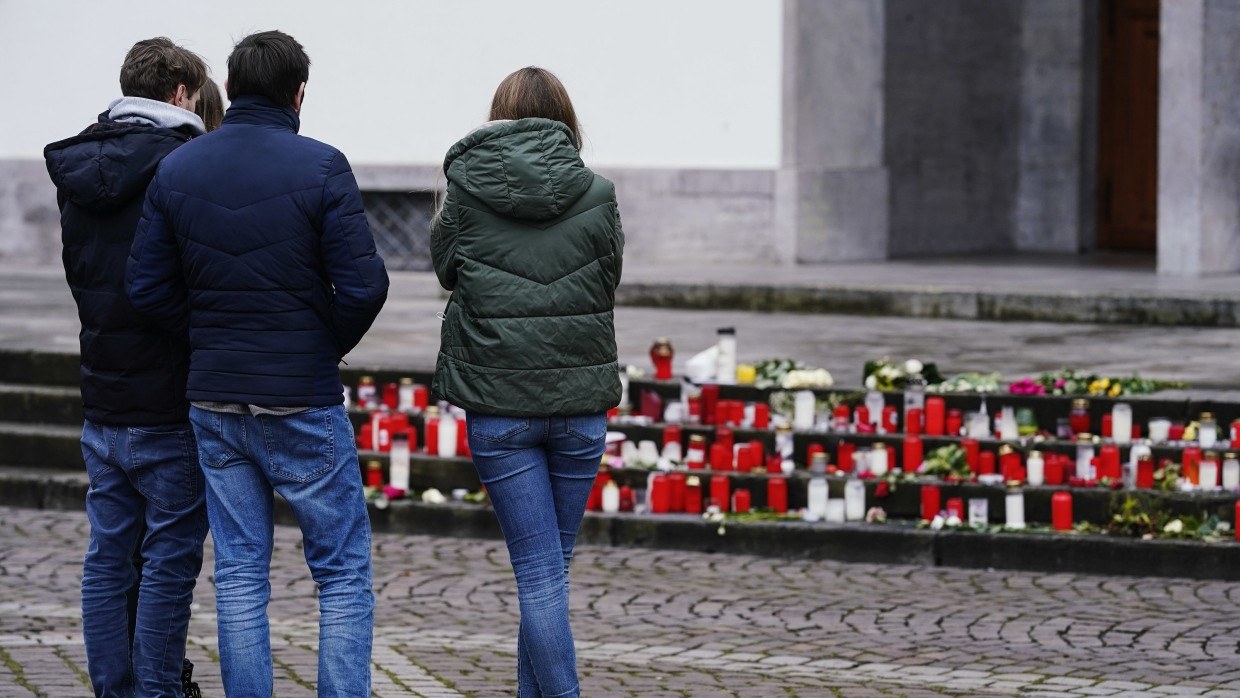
<point x="33" y="367"/>
<point x="39" y="403"/>
<point x="890" y="543"/>
<point x="41" y="446"/>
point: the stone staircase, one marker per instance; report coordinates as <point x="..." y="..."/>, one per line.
<point x="41" y="467"/>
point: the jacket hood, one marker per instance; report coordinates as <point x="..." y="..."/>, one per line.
<point x="527" y="169"/>
<point x="109" y="164"/>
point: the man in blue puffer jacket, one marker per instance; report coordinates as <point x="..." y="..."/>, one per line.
<point x="253" y="241"/>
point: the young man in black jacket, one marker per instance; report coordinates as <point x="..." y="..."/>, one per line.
<point x="145" y="500"/>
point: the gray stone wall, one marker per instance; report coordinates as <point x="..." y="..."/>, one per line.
<point x="952" y="135"/>
<point x="669" y="215"/>
<point x="29" y="219"/>
<point x="1199" y="138"/>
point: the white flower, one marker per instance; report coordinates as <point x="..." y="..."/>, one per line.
<point x="1174" y="526"/>
<point x="888" y="371"/>
<point x="871" y="382"/>
<point x="807" y="378"/>
<point x="913" y="367"/>
<point x="433" y="496"/>
<point x="953" y="521"/>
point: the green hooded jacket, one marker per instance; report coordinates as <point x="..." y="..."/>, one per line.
<point x="530" y="244"/>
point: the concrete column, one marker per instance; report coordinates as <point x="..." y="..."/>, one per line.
<point x="832" y="190"/>
<point x="1199" y="138"/>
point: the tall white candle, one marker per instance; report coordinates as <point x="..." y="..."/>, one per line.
<point x="835" y="511"/>
<point x="398" y="468"/>
<point x="878" y="460"/>
<point x="1007" y="424"/>
<point x="1207" y="473"/>
<point x="1121" y="423"/>
<point x="854" y="499"/>
<point x="817" y="495"/>
<point x="803" y="416"/>
<point x="447" y="435"/>
<point x="1160" y="429"/>
<point x="611" y="497"/>
<point x="1084" y="454"/>
<point x="1231" y="472"/>
<point x="1014" y="506"/>
<point x="1035" y="468"/>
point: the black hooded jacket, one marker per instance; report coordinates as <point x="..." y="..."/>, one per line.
<point x="133" y="372"/>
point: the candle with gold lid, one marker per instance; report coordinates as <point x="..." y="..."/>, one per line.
<point x="661" y="356"/>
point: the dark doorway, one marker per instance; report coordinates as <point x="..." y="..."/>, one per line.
<point x="1128" y="125"/>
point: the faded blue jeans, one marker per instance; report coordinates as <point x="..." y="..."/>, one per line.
<point x="146" y="493"/>
<point x="310" y="459"/>
<point x="538" y="472"/>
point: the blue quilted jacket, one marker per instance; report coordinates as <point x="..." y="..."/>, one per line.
<point x="254" y="243"/>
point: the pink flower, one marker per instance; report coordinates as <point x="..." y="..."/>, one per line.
<point x="1059" y="383"/>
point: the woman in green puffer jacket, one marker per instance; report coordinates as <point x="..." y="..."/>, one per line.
<point x="529" y="242"/>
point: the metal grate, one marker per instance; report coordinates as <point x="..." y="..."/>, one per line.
<point x="401" y="224"/>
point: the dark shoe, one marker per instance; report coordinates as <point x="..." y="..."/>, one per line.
<point x="188" y="687"/>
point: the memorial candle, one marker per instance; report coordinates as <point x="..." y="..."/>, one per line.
<point x="986" y="463"/>
<point x="816" y="494"/>
<point x="1014" y="506"/>
<point x="1190" y="461"/>
<point x="777" y="494"/>
<point x="914" y="417"/>
<point x="954" y="422"/>
<point x="1207" y="473"/>
<point x="1078" y="417"/>
<point x="672" y="433"/>
<point x="660" y="494"/>
<point x="404" y="397"/>
<point x="879" y="461"/>
<point x="695" y="456"/>
<point x="1009" y="464"/>
<point x="935" y="416"/>
<point x="955" y="507"/>
<point x="421" y="396"/>
<point x="854" y="500"/>
<point x="744" y="458"/>
<point x="740" y="501"/>
<point x="611" y="498"/>
<point x="929" y="502"/>
<point x="761" y="416"/>
<point x="719" y="494"/>
<point x="815" y="449"/>
<point x="757" y="454"/>
<point x="1107" y="420"/>
<point x="374" y="474"/>
<point x="913" y="452"/>
<point x="1108" y="462"/>
<point x="1061" y="511"/>
<point x="841" y="416"/>
<point x="890" y="420"/>
<point x="803" y="412"/>
<point x="431" y="425"/>
<point x="1145" y="471"/>
<point x="1054" y="466"/>
<point x="720" y="457"/>
<point x="844" y="455"/>
<point x="398" y="465"/>
<point x="971" y="454"/>
<point x="709" y="401"/>
<point x="1121" y="423"/>
<point x="724" y="436"/>
<point x="693" y="495"/>
<point x="1231" y="472"/>
<point x="676" y="491"/>
<point x="1036" y="468"/>
<point x="391" y="395"/>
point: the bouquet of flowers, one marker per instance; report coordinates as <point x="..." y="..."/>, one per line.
<point x="968" y="383"/>
<point x="1074" y="382"/>
<point x="885" y="374"/>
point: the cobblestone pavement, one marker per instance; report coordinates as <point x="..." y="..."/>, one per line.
<point x="659" y="623"/>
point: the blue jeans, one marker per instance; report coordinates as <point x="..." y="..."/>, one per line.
<point x="538" y="472"/>
<point x="146" y="494"/>
<point x="310" y="459"/>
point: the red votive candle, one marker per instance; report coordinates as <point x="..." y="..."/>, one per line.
<point x="1145" y="472"/>
<point x="929" y="502"/>
<point x="971" y="449"/>
<point x="672" y="434"/>
<point x="1061" y="511"/>
<point x="709" y="400"/>
<point x="693" y="495"/>
<point x="1108" y="462"/>
<point x="844" y="455"/>
<point x="1175" y="432"/>
<point x="421" y="396"/>
<point x="374" y="474"/>
<point x="861" y="418"/>
<point x="1009" y="465"/>
<point x="757" y="454"/>
<point x="720" y="457"/>
<point x="913" y="452"/>
<point x="626" y="498"/>
<point x="462" y="439"/>
<point x="652" y="406"/>
<point x="1189" y="463"/>
<point x="986" y="463"/>
<point x="595" y="501"/>
<point x="777" y="494"/>
<point x="761" y="415"/>
<point x="740" y="500"/>
<point x="955" y="507"/>
<point x="391" y="395"/>
<point x="810" y="451"/>
<point x="774" y="465"/>
<point x="914" y="421"/>
<point x="744" y="458"/>
<point x="1136" y="432"/>
<point x="432" y="436"/>
<point x="738" y="412"/>
<point x="675" y="491"/>
<point x="1053" y="469"/>
<point x="935" y="415"/>
<point x="955" y="421"/>
<point x="891" y="419"/>
<point x="723" y="436"/>
<point x="1106" y="426"/>
<point x="719" y="486"/>
<point x="660" y="494"/>
<point x="841" y="414"/>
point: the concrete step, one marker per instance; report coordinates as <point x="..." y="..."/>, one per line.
<point x="43" y="404"/>
<point x="41" y="446"/>
<point x="35" y="367"/>
<point x="891" y="543"/>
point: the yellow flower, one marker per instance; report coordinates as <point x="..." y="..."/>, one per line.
<point x="1115" y="390"/>
<point x="1106" y="382"/>
<point x="1096" y="387"/>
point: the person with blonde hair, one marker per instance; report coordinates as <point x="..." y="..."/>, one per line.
<point x="530" y="244"/>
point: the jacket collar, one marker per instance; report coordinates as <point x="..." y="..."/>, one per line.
<point x="260" y="111"/>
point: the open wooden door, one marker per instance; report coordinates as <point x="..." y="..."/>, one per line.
<point x="1128" y="125"/>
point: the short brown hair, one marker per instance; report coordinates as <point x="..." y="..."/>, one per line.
<point x="535" y="93"/>
<point x="210" y="107"/>
<point x="154" y="67"/>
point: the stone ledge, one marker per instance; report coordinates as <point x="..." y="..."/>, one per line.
<point x="867" y="543"/>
